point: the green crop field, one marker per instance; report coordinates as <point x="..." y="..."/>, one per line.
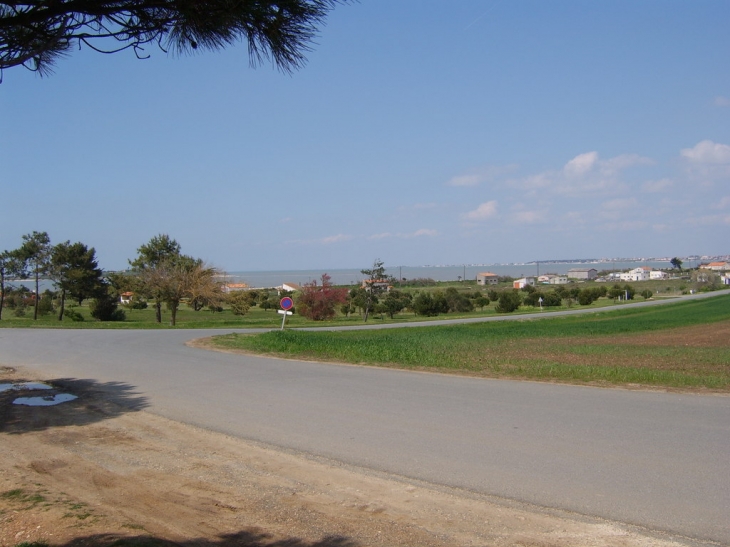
<point x="684" y="345"/>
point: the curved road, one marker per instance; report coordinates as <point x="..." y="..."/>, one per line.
<point x="657" y="460"/>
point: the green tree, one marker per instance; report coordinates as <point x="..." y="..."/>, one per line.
<point x="76" y="272"/>
<point x="375" y="283"/>
<point x="551" y="299"/>
<point x="152" y="256"/>
<point x="430" y="304"/>
<point x="36" y="33"/>
<point x="180" y="277"/>
<point x="509" y="301"/>
<point x="104" y="307"/>
<point x="676" y="263"/>
<point x="395" y="302"/>
<point x="481" y="302"/>
<point x="10" y="266"/>
<point x="240" y="302"/>
<point x="457" y="301"/>
<point x="533" y="298"/>
<point x="35" y="254"/>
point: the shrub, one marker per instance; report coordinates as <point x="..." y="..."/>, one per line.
<point x="72" y="314"/>
<point x="430" y="305"/>
<point x="320" y="302"/>
<point x="458" y="302"/>
<point x="551" y="299"/>
<point x="481" y="302"/>
<point x="508" y="302"/>
<point x="533" y="298"/>
<point x="240" y="302"/>
<point x="45" y="304"/>
<point x="104" y="307"/>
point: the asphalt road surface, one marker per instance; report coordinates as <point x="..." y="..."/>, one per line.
<point x="656" y="460"/>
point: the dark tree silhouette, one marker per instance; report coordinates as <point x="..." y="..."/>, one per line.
<point x="36" y="33"/>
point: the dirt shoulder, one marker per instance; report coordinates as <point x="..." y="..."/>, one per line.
<point x="90" y="472"/>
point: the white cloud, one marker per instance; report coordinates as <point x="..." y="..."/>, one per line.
<point x="632" y="225"/>
<point x="581" y="164"/>
<point x="623" y="161"/>
<point x="654" y="186"/>
<point x="709" y="220"/>
<point x="724" y="203"/>
<point x="481" y="175"/>
<point x="485" y="211"/>
<point x="708" y="152"/>
<point x="465" y="180"/>
<point x="529" y="217"/>
<point x="418" y="233"/>
<point x="619" y="204"/>
<point x="585" y="174"/>
<point x="335" y="239"/>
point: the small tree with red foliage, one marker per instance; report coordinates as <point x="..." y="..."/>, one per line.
<point x="319" y="302"/>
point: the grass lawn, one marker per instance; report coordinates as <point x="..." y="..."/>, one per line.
<point x="684" y="345"/>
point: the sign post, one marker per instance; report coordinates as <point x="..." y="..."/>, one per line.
<point x="286" y="304"/>
<point x="540" y="300"/>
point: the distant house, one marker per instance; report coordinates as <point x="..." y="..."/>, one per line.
<point x="637" y="274"/>
<point x="520" y="283"/>
<point x="126" y="297"/>
<point x="231" y="287"/>
<point x="377" y="284"/>
<point x="716" y="266"/>
<point x="291" y="287"/>
<point x="658" y="274"/>
<point x="725" y="279"/>
<point x="552" y="279"/>
<point x="582" y="273"/>
<point x="487" y="278"/>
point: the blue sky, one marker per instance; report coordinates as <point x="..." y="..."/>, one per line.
<point x="420" y="132"/>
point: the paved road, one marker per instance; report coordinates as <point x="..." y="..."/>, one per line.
<point x="658" y="460"/>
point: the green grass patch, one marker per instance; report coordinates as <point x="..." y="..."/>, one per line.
<point x="593" y="348"/>
<point x="21" y="496"/>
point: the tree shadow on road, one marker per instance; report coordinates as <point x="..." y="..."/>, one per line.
<point x="95" y="401"/>
<point x="238" y="539"/>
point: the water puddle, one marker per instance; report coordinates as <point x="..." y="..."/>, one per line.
<point x="45" y="401"/>
<point x="48" y="400"/>
<point x="24" y="385"/>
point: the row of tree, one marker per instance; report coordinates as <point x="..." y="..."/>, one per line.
<point x="159" y="273"/>
<point x="72" y="267"/>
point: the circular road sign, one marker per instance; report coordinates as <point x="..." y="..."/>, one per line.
<point x="286" y="303"/>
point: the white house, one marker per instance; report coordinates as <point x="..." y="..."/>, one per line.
<point x="658" y="274"/>
<point x="558" y="280"/>
<point x="520" y="283"/>
<point x="637" y="274"/>
<point x="291" y="287"/>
